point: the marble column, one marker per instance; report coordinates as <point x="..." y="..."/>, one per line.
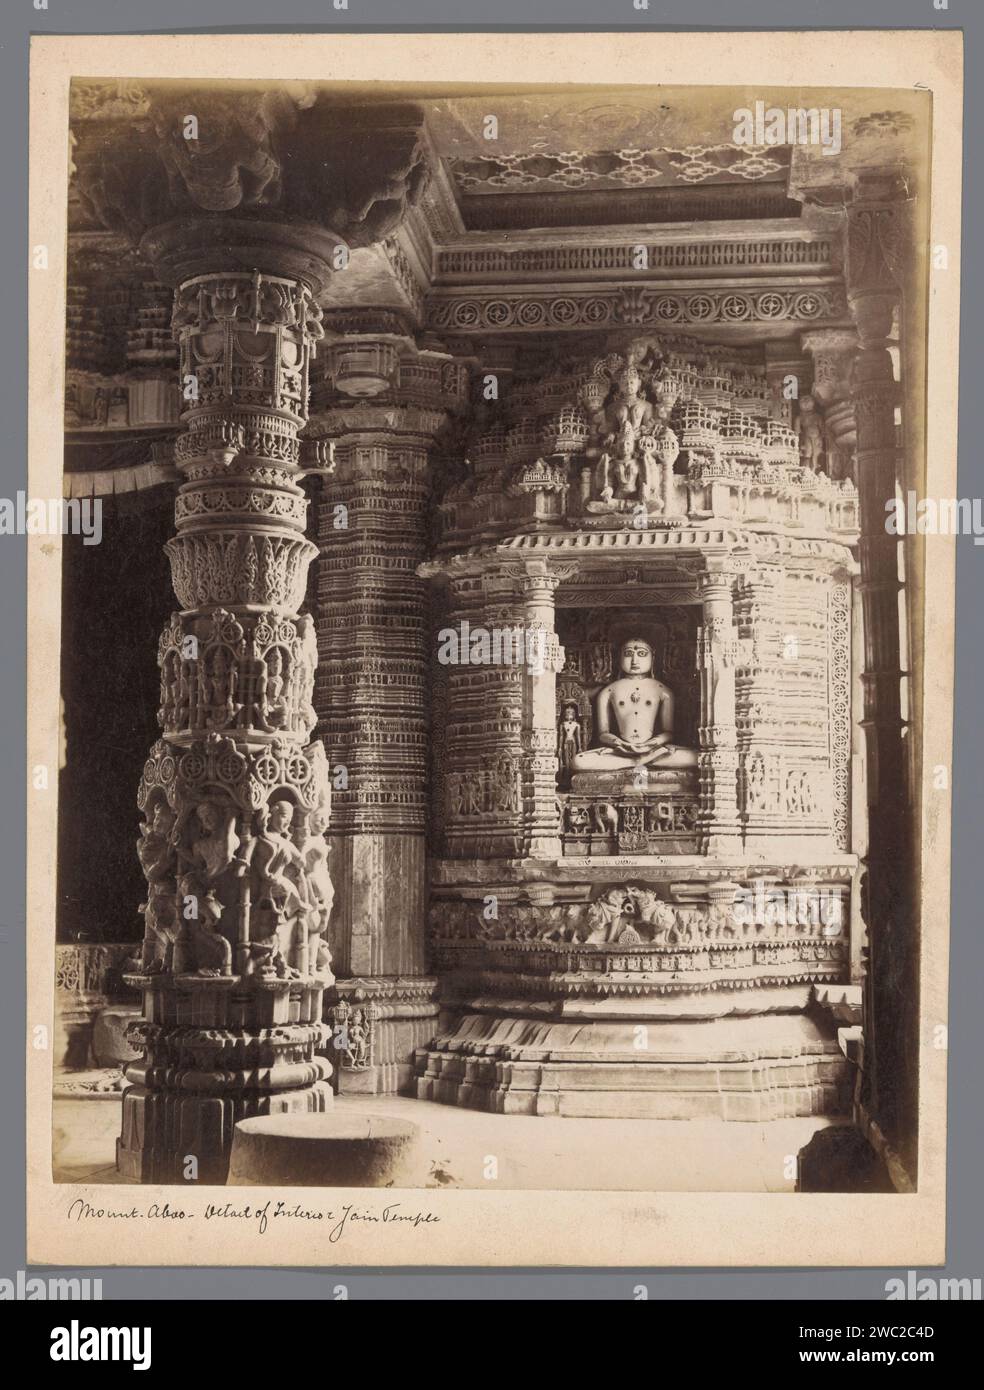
<point x="487" y="711"/>
<point x="236" y="798"/>
<point x="382" y="408"/>
<point x="541" y="821"/>
<point x="243" y="211"/>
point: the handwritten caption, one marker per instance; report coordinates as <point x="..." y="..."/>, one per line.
<point x="261" y="1217"/>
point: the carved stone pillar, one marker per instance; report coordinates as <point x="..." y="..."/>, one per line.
<point x="487" y="704"/>
<point x="236" y="800"/>
<point x="717" y="650"/>
<point x="499" y="765"/>
<point x="372" y="694"/>
<point x="541" y="827"/>
<point x="242" y="210"/>
<point x="876" y="246"/>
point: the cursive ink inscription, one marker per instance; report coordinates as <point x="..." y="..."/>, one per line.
<point x="261" y="1216"/>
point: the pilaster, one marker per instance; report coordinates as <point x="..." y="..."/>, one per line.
<point x="719" y="829"/>
<point x="878" y="226"/>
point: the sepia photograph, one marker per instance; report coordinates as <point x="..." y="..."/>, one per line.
<point x="496" y="729"/>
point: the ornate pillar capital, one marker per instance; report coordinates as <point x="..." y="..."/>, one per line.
<point x="877" y="247"/>
<point x="832" y="351"/>
<point x="275" y="179"/>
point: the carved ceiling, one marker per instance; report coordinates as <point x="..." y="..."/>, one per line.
<point x="484" y="248"/>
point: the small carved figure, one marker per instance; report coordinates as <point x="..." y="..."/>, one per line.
<point x="215" y="848"/>
<point x="811" y="433"/>
<point x="314" y="851"/>
<point x="577" y="820"/>
<point x="604" y="818"/>
<point x="276" y="865"/>
<point x="210" y="951"/>
<point x="274" y="709"/>
<point x="159" y="862"/>
<point x="265" y="956"/>
<point x="358" y="1040"/>
<point x="160" y="931"/>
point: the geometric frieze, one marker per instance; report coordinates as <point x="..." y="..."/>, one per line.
<point x="745" y="256"/>
<point x="608" y="169"/>
<point x="535" y="310"/>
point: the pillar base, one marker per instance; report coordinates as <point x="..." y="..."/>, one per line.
<point x="217" y="1051"/>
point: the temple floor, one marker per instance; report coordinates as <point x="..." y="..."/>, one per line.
<point x="531" y="1151"/>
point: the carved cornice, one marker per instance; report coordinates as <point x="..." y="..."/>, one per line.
<point x="605" y="547"/>
<point x="606" y="254"/>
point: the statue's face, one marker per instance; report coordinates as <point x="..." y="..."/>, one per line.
<point x="207" y="818"/>
<point x="637" y="657"/>
<point x="281" y="816"/>
<point x="629" y="382"/>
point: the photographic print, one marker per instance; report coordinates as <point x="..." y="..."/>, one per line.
<point x="491" y="544"/>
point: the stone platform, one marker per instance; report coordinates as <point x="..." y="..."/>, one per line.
<point x="773" y="1066"/>
<point x="648" y="810"/>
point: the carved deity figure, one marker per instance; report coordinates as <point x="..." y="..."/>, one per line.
<point x="210" y="951"/>
<point x="631" y="414"/>
<point x="276" y="864"/>
<point x="158" y="861"/>
<point x="273" y="709"/>
<point x="154" y="848"/>
<point x="634" y="719"/>
<point x="570" y="740"/>
<point x="810" y="433"/>
<point x="314" y="851"/>
<point x="214" y="848"/>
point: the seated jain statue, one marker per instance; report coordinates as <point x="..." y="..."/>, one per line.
<point x="634" y="720"/>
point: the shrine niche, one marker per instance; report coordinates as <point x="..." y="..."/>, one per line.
<point x="661" y="515"/>
<point x="615" y="797"/>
